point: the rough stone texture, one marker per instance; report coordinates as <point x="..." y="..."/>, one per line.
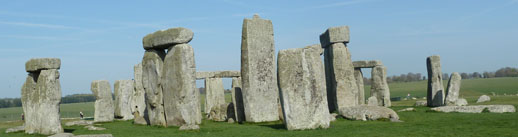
<point x="476" y="109"/>
<point x="461" y="102"/>
<point x="231" y="115"/>
<point x="94" y="128"/>
<point x="341" y="86"/>
<point x="218" y="74"/>
<point x="123" y="91"/>
<point x="435" y="94"/>
<point x="181" y="98"/>
<point x="104" y="107"/>
<point x="152" y="64"/>
<point x="164" y="39"/>
<point x="483" y="98"/>
<point x="332" y="117"/>
<point x="406" y="109"/>
<point x="189" y="127"/>
<point x="420" y="103"/>
<point x="367" y="63"/>
<point x="79" y="123"/>
<point x="15" y="129"/>
<point x="452" y="91"/>
<point x="335" y="35"/>
<point x="138" y="99"/>
<point x="237" y="100"/>
<point x="258" y="70"/>
<point x="37" y="64"/>
<point x="379" y="86"/>
<point x="358" y="75"/>
<point x="41" y="96"/>
<point x="316" y="48"/>
<point x="214" y="98"/>
<point x="368" y="113"/>
<point x="372" y="101"/>
<point x="303" y="89"/>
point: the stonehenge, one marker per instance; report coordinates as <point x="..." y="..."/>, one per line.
<point x="41" y="96"/>
<point x="379" y="85"/>
<point x="342" y="89"/>
<point x="214" y="99"/>
<point x="169" y="79"/>
<point x="452" y="91"/>
<point x="104" y="107"/>
<point x="123" y="91"/>
<point x="258" y="71"/>
<point x="138" y="100"/>
<point x="215" y="107"/>
<point x="303" y="89"/>
<point x="435" y="94"/>
<point x="476" y="109"/>
<point x="237" y="100"/>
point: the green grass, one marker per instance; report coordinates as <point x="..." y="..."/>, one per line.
<point x="418" y="123"/>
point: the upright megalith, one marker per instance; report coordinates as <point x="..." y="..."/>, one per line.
<point x="302" y="88"/>
<point x="104" y="108"/>
<point x="342" y="88"/>
<point x="138" y="99"/>
<point x="151" y="80"/>
<point x="237" y="100"/>
<point x="358" y="75"/>
<point x="214" y="99"/>
<point x="123" y="91"/>
<point x="41" y="96"/>
<point x="452" y="91"/>
<point x="181" y="98"/>
<point x="258" y="71"/>
<point x="379" y="86"/>
<point x="435" y="95"/>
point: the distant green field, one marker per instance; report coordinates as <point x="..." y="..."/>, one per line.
<point x="419" y="123"/>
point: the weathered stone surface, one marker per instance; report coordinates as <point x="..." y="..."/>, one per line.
<point x="452" y="91"/>
<point x="37" y="64"/>
<point x="189" y="127"/>
<point x="181" y="98"/>
<point x="420" y="103"/>
<point x="258" y="70"/>
<point x="367" y="63"/>
<point x="342" y="89"/>
<point x="15" y="129"/>
<point x="406" y="109"/>
<point x="368" y="113"/>
<point x="358" y="75"/>
<point x="79" y="123"/>
<point x="138" y="99"/>
<point x="94" y="128"/>
<point x="476" y="109"/>
<point x="335" y="35"/>
<point x="316" y="48"/>
<point x="332" y="117"/>
<point x="231" y="115"/>
<point x="41" y="99"/>
<point x="104" y="107"/>
<point x="303" y="89"/>
<point x="214" y="99"/>
<point x="218" y="74"/>
<point x="435" y="94"/>
<point x="372" y="101"/>
<point x="164" y="39"/>
<point x="379" y="86"/>
<point x="237" y="100"/>
<point x="483" y="98"/>
<point x="123" y="91"/>
<point x="152" y="64"/>
<point x="461" y="102"/>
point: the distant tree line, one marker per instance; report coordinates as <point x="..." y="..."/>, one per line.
<point x="75" y="98"/>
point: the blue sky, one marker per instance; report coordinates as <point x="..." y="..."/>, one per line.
<point x="103" y="39"/>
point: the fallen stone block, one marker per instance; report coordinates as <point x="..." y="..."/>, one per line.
<point x="476" y="109"/>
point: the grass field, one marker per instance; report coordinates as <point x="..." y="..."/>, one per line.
<point x="418" y="123"/>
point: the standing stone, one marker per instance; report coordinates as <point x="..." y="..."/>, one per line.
<point x="358" y="75"/>
<point x="138" y="100"/>
<point x="237" y="100"/>
<point x="303" y="90"/>
<point x="123" y="91"/>
<point x="342" y="89"/>
<point x="151" y="80"/>
<point x="372" y="101"/>
<point x="379" y="87"/>
<point x="214" y="99"/>
<point x="41" y="96"/>
<point x="181" y="98"/>
<point x="104" y="110"/>
<point x="258" y="70"/>
<point x="436" y="94"/>
<point x="452" y="91"/>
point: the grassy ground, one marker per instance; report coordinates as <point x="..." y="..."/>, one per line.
<point x="418" y="123"/>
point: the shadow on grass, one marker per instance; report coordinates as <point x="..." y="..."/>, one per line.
<point x="90" y="118"/>
<point x="68" y="130"/>
<point x="274" y="126"/>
